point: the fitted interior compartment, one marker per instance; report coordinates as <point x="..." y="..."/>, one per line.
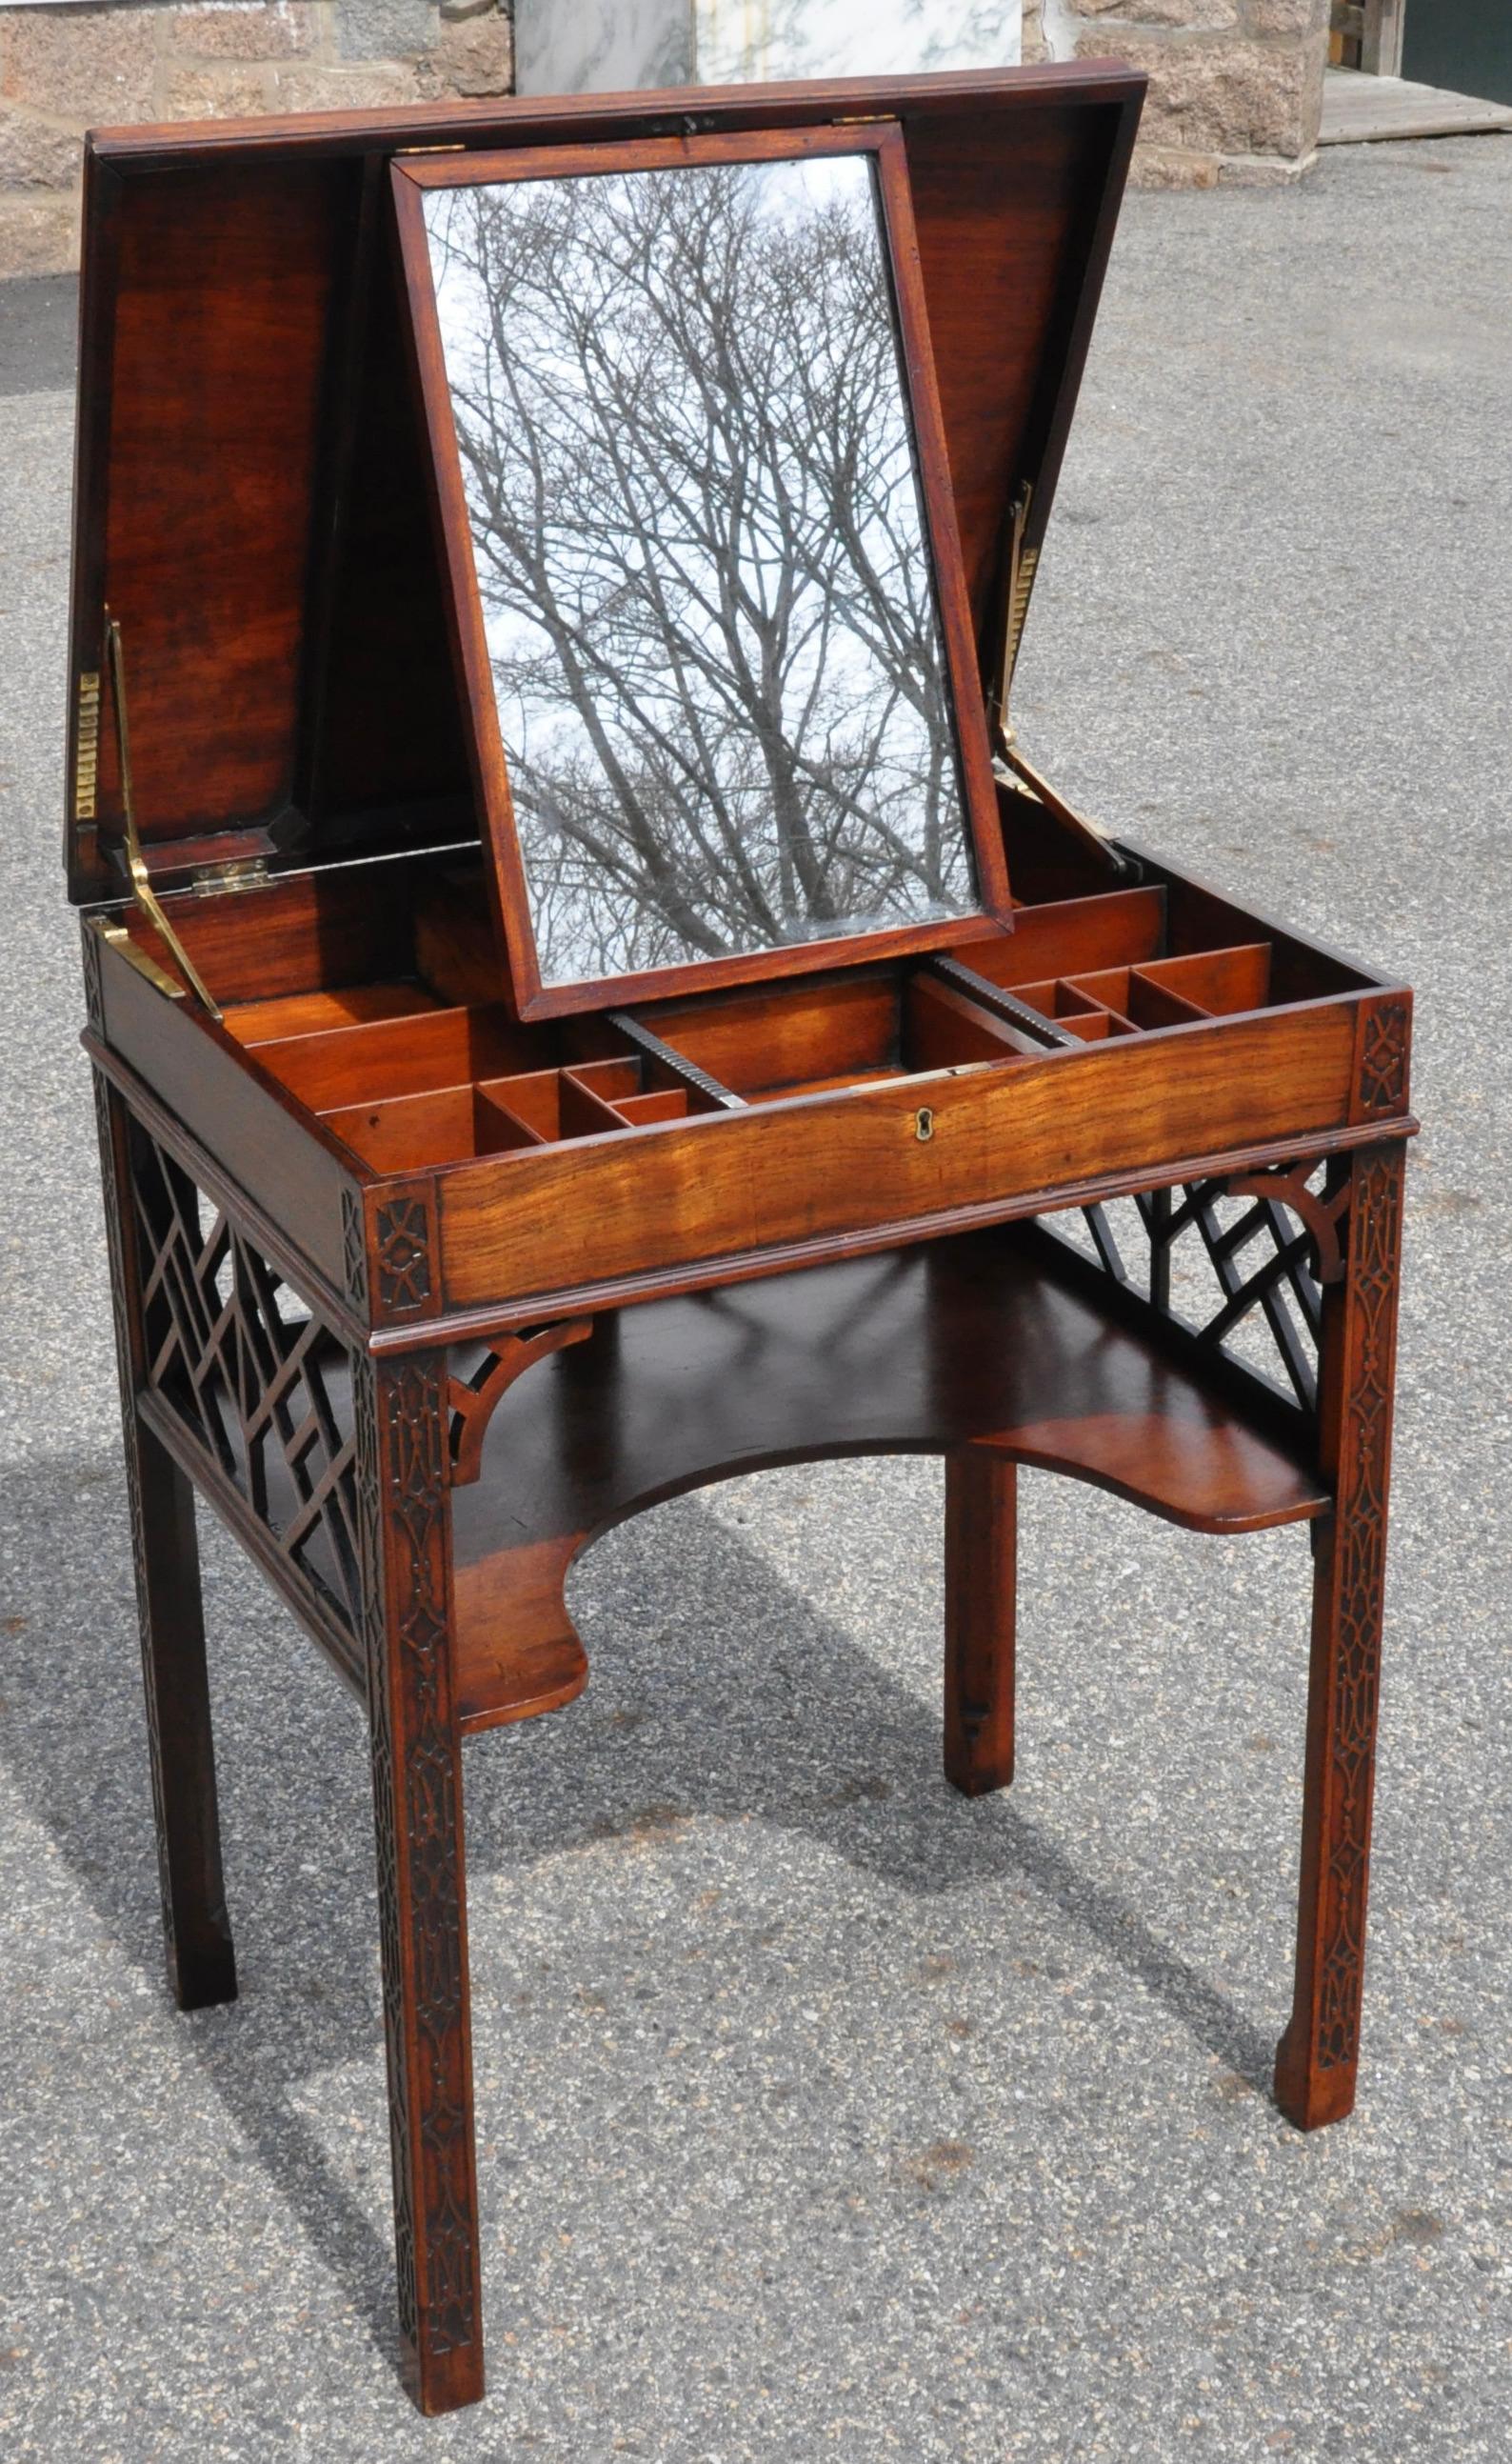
<point x="1218" y="982"/>
<point x="407" y="1056"/>
<point x="1106" y="965"/>
<point x="409" y="1133"/>
<point x="849" y="1029"/>
<point x="368" y="993"/>
<point x="445" y="1085"/>
<point x="502" y="1115"/>
<point x="1068" y="936"/>
<point x="1075" y="1009"/>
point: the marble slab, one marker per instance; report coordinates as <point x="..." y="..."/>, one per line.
<point x="605" y="46"/>
<point x="737" y="39"/>
<point x="601" y="46"/>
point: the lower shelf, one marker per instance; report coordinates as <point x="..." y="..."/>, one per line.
<point x="986" y="1339"/>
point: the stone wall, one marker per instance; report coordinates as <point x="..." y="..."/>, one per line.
<point x="1235" y="86"/>
<point x="65" y="69"/>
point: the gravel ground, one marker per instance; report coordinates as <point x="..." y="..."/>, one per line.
<point x="822" y="2114"/>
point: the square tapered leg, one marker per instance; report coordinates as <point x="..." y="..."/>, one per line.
<point x="1318" y="2056"/>
<point x="982" y="1540"/>
<point x="403" y="1474"/>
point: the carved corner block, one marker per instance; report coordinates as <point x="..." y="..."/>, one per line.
<point x="391" y="1249"/>
<point x="1382" y="1057"/>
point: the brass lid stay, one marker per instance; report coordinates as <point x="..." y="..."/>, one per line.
<point x="146" y="897"/>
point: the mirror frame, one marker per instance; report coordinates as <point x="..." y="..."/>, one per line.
<point x="883" y="139"/>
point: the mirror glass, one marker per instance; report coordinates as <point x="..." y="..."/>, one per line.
<point x="702" y="557"/>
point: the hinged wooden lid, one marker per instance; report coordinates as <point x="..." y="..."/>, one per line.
<point x="253" y="491"/>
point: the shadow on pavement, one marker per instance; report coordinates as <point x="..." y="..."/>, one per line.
<point x="695" y="1641"/>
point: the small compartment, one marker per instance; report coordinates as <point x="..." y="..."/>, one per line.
<point x="1133" y="994"/>
<point x="657" y="1104"/>
<point x="406" y="1056"/>
<point x="502" y="1115"/>
<point x="553" y="1103"/>
<point x="411" y="1133"/>
<point x="1077" y="1011"/>
<point x="1071" y="936"/>
<point x="1094" y="1025"/>
<point x="839" y="1031"/>
<point x="1142" y="993"/>
<point x="1135" y="953"/>
<point x="1218" y="982"/>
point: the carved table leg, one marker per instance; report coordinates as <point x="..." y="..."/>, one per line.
<point x="402" y="1430"/>
<point x="1316" y="2059"/>
<point x="982" y="1531"/>
<point x="197" y="1936"/>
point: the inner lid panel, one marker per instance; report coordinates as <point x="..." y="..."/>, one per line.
<point x="253" y="496"/>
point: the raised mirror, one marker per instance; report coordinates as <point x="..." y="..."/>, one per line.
<point x="709" y="603"/>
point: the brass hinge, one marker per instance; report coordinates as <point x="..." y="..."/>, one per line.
<point x="86" y="747"/>
<point x="453" y="145"/>
<point x="1023" y="563"/>
<point x="146" y="897"/>
<point x="1009" y="765"/>
<point x="865" y="119"/>
<point x="239" y="872"/>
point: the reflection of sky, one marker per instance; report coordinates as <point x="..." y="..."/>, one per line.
<point x="790" y="191"/>
<point x="542" y="729"/>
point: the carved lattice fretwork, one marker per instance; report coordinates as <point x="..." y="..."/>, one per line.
<point x="196" y="1927"/>
<point x="1268" y="1241"/>
<point x="254" y="1377"/>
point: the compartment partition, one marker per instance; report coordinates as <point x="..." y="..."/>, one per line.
<point x="409" y="1080"/>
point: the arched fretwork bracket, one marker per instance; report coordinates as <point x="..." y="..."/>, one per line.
<point x="1270" y="1239"/>
<point x="1321" y="1213"/>
<point x="472" y="1397"/>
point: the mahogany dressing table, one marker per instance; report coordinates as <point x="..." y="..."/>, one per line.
<point x="587" y="995"/>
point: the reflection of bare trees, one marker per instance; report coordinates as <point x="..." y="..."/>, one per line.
<point x="699" y="546"/>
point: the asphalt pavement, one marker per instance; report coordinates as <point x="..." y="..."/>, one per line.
<point x="822" y="2114"/>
